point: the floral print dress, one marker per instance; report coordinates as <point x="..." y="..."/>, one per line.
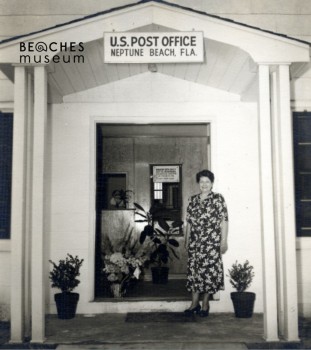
<point x="205" y="268"/>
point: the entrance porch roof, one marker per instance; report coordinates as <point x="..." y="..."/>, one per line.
<point x="232" y="50"/>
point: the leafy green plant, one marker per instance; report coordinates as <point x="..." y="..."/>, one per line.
<point x="163" y="243"/>
<point x="241" y="275"/>
<point x="64" y="274"/>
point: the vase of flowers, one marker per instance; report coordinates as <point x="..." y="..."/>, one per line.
<point x="120" y="198"/>
<point x="123" y="261"/>
<point x="120" y="269"/>
<point x="116" y="290"/>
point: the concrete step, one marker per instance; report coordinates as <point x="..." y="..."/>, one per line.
<point x="155" y="346"/>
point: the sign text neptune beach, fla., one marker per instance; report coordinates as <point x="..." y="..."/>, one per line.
<point x="153" y="47"/>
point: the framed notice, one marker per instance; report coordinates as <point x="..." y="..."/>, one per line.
<point x="165" y="173"/>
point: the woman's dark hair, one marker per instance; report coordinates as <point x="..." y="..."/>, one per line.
<point x="205" y="173"/>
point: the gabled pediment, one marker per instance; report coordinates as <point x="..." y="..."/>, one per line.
<point x="232" y="50"/>
<point x="262" y="46"/>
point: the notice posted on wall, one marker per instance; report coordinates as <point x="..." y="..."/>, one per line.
<point x="153" y="47"/>
<point x="165" y="173"/>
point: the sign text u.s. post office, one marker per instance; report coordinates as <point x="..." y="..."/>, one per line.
<point x="153" y="47"/>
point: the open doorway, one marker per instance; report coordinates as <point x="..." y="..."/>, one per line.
<point x="127" y="155"/>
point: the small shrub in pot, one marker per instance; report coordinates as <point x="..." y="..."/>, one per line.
<point x="241" y="277"/>
<point x="64" y="277"/>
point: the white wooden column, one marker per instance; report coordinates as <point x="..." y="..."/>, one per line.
<point x="18" y="204"/>
<point x="267" y="207"/>
<point x="27" y="266"/>
<point x="288" y="205"/>
<point x="38" y="230"/>
<point x="277" y="199"/>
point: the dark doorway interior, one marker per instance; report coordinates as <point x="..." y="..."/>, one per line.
<point x="124" y="155"/>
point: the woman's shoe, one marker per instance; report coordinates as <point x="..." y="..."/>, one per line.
<point x="194" y="310"/>
<point x="204" y="313"/>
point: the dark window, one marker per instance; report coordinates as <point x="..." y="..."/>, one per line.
<point x="6" y="133"/>
<point x="302" y="158"/>
<point x="166" y="194"/>
<point x="113" y="192"/>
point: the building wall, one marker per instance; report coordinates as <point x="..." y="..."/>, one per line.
<point x="5" y="280"/>
<point x="301" y="94"/>
<point x="234" y="161"/>
<point x="304" y="278"/>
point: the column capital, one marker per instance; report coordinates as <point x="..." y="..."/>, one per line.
<point x="29" y="65"/>
<point x="274" y="63"/>
<point x="7" y="107"/>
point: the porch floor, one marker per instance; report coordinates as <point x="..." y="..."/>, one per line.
<point x="115" y="332"/>
<point x="115" y="329"/>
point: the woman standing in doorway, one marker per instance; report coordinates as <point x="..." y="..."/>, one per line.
<point x="206" y="241"/>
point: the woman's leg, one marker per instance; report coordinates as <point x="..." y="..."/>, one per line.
<point x="195" y="299"/>
<point x="205" y="304"/>
<point x="195" y="305"/>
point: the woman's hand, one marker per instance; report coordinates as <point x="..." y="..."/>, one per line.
<point x="186" y="242"/>
<point x="223" y="246"/>
<point x="224" y="235"/>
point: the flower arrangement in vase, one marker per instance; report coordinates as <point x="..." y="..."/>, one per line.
<point x="123" y="262"/>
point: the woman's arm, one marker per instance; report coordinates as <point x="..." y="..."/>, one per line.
<point x="187" y="235"/>
<point x="224" y="236"/>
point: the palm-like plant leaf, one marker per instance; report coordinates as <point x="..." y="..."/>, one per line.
<point x="174" y="253"/>
<point x="160" y="232"/>
<point x="157" y="240"/>
<point x="142" y="215"/>
<point x="173" y="242"/>
<point x="139" y="207"/>
<point x="142" y="237"/>
<point x="177" y="223"/>
<point x="163" y="224"/>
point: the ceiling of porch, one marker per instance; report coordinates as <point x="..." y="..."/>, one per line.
<point x="225" y="67"/>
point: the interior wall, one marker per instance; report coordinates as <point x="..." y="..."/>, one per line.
<point x="234" y="160"/>
<point x="134" y="155"/>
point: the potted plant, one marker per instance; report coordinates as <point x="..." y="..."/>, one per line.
<point x="123" y="262"/>
<point x="120" y="198"/>
<point x="241" y="277"/>
<point x="162" y="240"/>
<point x="64" y="277"/>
